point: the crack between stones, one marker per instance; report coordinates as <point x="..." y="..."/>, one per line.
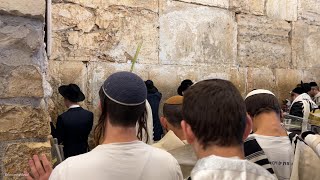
<point x="200" y="4"/>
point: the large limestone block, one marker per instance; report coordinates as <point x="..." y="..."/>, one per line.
<point x="191" y="34"/>
<point x="117" y="35"/>
<point x="23" y="122"/>
<point x="17" y="155"/>
<point x="261" y="78"/>
<point x="309" y="10"/>
<point x="98" y="72"/>
<point x="305" y="45"/>
<point x="34" y="8"/>
<point x="256" y="7"/>
<point x="20" y="81"/>
<point x="217" y="3"/>
<point x="311" y="74"/>
<point x="64" y="73"/>
<point x="21" y="41"/>
<point x="65" y="16"/>
<point x="286" y="80"/>
<point x="263" y="42"/>
<point x="282" y="9"/>
<point x="145" y="4"/>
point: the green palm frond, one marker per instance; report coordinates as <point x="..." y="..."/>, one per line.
<point x="134" y="60"/>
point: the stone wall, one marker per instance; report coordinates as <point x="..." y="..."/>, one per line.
<point x="24" y="118"/>
<point x="270" y="44"/>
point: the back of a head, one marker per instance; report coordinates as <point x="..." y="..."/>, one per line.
<point x="122" y="98"/>
<point x="306" y="87"/>
<point x="261" y="101"/>
<point x="314" y="85"/>
<point x="172" y="110"/>
<point x="216" y="113"/>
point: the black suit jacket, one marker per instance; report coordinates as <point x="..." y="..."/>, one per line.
<point x="72" y="130"/>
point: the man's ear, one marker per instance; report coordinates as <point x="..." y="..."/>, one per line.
<point x="164" y="123"/>
<point x="248" y="128"/>
<point x="99" y="106"/>
<point x="187" y="131"/>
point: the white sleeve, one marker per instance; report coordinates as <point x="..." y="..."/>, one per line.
<point x="176" y="170"/>
<point x="149" y="122"/>
<point x="57" y="173"/>
<point x="314" y="142"/>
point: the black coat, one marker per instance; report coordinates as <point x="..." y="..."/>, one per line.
<point x="154" y="99"/>
<point x="72" y="130"/>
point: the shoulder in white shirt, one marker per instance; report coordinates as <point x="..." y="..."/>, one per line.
<point x="120" y="161"/>
<point x="280" y="154"/>
<point x="220" y="168"/>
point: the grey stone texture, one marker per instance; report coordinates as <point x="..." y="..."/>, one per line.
<point x="24" y="117"/>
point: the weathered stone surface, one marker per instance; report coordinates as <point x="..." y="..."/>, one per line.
<point x="145" y="4"/>
<point x="261" y="78"/>
<point x="16" y="157"/>
<point x="263" y="42"/>
<point x="305" y="45"/>
<point x="282" y="9"/>
<point x="21" y="81"/>
<point x="35" y="8"/>
<point x="286" y="80"/>
<point x="63" y="73"/>
<point x="197" y="35"/>
<point x="71" y="16"/>
<point x="256" y="7"/>
<point x="311" y="74"/>
<point x="21" y="41"/>
<point x="23" y="122"/>
<point x="217" y="3"/>
<point x="309" y="10"/>
<point x="115" y="38"/>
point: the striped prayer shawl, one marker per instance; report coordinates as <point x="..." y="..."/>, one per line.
<point x="254" y="153"/>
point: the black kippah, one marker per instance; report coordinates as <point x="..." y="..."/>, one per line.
<point x="125" y="88"/>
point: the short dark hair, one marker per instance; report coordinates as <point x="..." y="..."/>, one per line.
<point x="260" y="103"/>
<point x="173" y="113"/>
<point x="216" y="112"/>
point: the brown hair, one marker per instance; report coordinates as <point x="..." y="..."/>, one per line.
<point x="120" y="115"/>
<point x="261" y="103"/>
<point x="216" y="113"/>
<point x="173" y="113"/>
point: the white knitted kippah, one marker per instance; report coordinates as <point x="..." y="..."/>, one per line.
<point x="259" y="91"/>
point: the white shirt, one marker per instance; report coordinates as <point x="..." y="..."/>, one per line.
<point x="316" y="99"/>
<point x="220" y="168"/>
<point x="180" y="150"/>
<point x="314" y="142"/>
<point x="279" y="152"/>
<point x="120" y="161"/>
<point x="74" y="106"/>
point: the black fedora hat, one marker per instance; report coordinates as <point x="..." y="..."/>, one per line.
<point x="71" y="92"/>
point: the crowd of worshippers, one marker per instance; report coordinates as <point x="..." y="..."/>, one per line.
<point x="207" y="131"/>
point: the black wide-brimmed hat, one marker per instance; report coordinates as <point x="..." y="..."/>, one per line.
<point x="185" y="84"/>
<point x="150" y="87"/>
<point x="313" y="84"/>
<point x="71" y="92"/>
